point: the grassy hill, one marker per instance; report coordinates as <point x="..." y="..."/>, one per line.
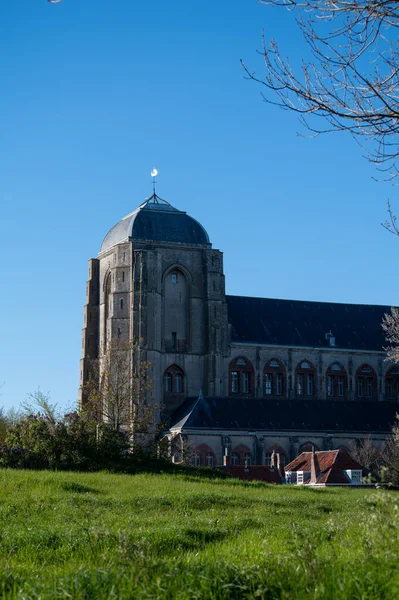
<point x="98" y="535"/>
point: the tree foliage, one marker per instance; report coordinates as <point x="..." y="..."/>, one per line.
<point x="352" y="80"/>
<point x="37" y="442"/>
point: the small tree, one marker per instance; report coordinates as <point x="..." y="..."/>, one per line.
<point x="116" y="392"/>
<point x="367" y="454"/>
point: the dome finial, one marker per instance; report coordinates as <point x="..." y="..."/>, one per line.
<point x="154" y="173"/>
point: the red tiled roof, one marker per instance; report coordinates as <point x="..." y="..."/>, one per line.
<point x="333" y="475"/>
<point x="326" y="458"/>
<point x="255" y="473"/>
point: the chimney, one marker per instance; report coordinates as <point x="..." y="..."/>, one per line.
<point x="314" y="467"/>
<point x="226" y="458"/>
<point x="273" y="461"/>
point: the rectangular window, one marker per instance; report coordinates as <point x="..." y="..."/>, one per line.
<point x="268" y="384"/>
<point x="279" y="384"/>
<point x="178" y="383"/>
<point x="168" y="382"/>
<point x="197" y="460"/>
<point x="340" y="386"/>
<point x="209" y="460"/>
<point x="356" y="477"/>
<point x="299" y="385"/>
<point x="370" y="387"/>
<point x="360" y="388"/>
<point x="268" y="459"/>
<point x="123" y="275"/>
<point x="330" y="386"/>
<point x="299" y="478"/>
<point x="234" y="382"/>
<point x="245" y="382"/>
<point x="388" y="389"/>
<point x="174" y="340"/>
<point x="309" y="385"/>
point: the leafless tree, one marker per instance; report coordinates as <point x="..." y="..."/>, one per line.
<point x="390" y="454"/>
<point x="117" y="388"/>
<point x="352" y="79"/>
<point x="367" y="454"/>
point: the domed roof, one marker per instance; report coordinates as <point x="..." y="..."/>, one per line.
<point x="156" y="220"/>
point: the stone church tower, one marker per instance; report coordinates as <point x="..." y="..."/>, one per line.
<point x="157" y="279"/>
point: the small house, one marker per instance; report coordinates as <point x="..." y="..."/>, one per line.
<point x="330" y="467"/>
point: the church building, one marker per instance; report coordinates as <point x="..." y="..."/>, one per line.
<point x="234" y="378"/>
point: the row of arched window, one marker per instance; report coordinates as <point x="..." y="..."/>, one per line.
<point x="242" y="380"/>
<point x="242" y="456"/>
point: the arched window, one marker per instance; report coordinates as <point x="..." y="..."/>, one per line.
<point x="392" y="384"/>
<point x="242" y="453"/>
<point x="176" y="311"/>
<point x="173" y="380"/>
<point x="235" y="459"/>
<point x="204" y="456"/>
<point x="366" y="383"/>
<point x="274" y="378"/>
<point x="305" y="380"/>
<point x="241" y="377"/>
<point x="337" y="382"/>
<point x="308" y="447"/>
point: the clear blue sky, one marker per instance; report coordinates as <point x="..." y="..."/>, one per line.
<point x="94" y="94"/>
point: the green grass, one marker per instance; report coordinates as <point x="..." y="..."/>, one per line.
<point x="100" y="535"/>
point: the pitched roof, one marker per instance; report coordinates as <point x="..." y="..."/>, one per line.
<point x="254" y="473"/>
<point x="302" y="323"/>
<point x="328" y="459"/>
<point x="333" y="475"/>
<point x="260" y="414"/>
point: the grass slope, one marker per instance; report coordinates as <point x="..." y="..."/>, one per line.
<point x="99" y="535"/>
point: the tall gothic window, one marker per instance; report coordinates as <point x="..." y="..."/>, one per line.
<point x="366" y="383"/>
<point x="241" y="377"/>
<point x="107" y="306"/>
<point x="337" y="382"/>
<point x="274" y="381"/>
<point x="305" y="380"/>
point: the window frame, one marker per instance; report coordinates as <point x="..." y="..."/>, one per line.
<point x="274" y="379"/>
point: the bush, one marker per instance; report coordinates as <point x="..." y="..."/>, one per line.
<point x="74" y="443"/>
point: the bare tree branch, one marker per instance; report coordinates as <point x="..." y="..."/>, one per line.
<point x="352" y="81"/>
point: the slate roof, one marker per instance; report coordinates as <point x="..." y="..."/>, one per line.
<point x="259" y="414"/>
<point x="302" y="323"/>
<point x="327" y="459"/>
<point x="156" y="220"/>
